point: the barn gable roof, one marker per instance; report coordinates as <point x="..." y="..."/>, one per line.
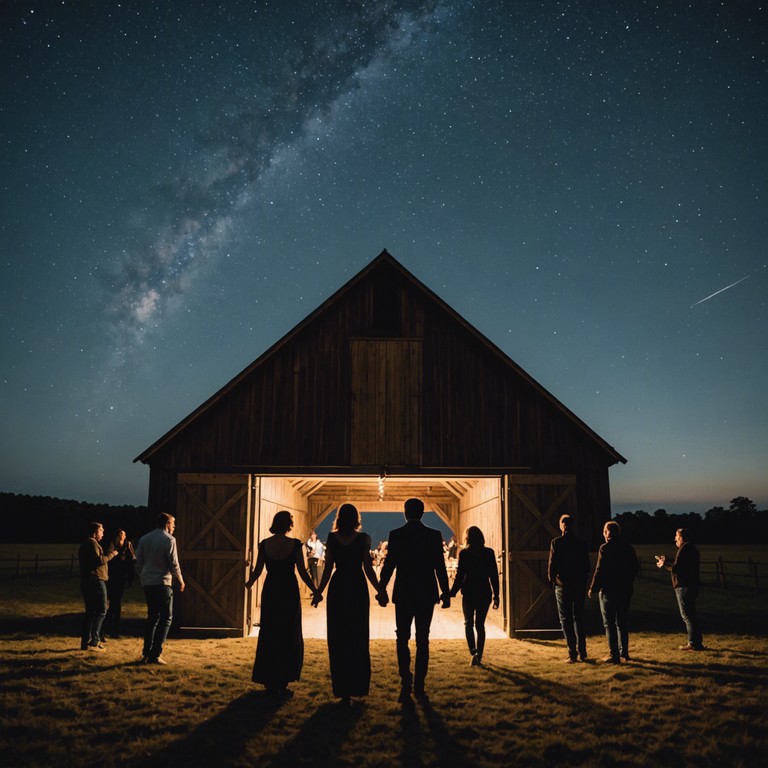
<point x="384" y="261"/>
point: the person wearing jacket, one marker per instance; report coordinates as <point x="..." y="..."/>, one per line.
<point x="616" y="569"/>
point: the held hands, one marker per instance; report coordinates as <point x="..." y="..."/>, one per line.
<point x="317" y="598"/>
<point x="445" y="599"/>
<point x="382" y="598"/>
<point x="660" y="560"/>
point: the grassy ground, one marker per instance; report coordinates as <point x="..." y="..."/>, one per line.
<point x="525" y="707"/>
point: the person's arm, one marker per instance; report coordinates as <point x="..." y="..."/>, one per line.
<point x="302" y="569"/>
<point x="389" y="564"/>
<point x="597" y="577"/>
<point x="493" y="572"/>
<point x="259" y="567"/>
<point x="173" y="564"/>
<point x="442" y="574"/>
<point x="368" y="564"/>
<point x="461" y="574"/>
<point x="551" y="569"/>
<point x="330" y="564"/>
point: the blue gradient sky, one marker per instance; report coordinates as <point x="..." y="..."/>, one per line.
<point x="183" y="182"/>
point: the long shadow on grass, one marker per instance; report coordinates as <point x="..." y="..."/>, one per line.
<point x="218" y="741"/>
<point x="604" y="720"/>
<point x="320" y="740"/>
<point x="224" y="739"/>
<point x="720" y="674"/>
<point x="58" y="625"/>
<point x="449" y="752"/>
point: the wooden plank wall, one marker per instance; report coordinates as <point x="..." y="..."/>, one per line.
<point x="481" y="506"/>
<point x="386" y="397"/>
<point x="274" y="495"/>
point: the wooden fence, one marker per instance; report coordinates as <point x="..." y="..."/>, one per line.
<point x="724" y="573"/>
<point x="35" y="565"/>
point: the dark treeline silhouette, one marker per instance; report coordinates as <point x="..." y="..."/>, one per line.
<point x="49" y="520"/>
<point x="62" y="521"/>
<point x="740" y="523"/>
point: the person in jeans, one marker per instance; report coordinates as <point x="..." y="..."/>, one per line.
<point x="477" y="577"/>
<point x="93" y="585"/>
<point x="686" y="581"/>
<point x="157" y="562"/>
<point x="616" y="569"/>
<point x="568" y="573"/>
<point x="416" y="552"/>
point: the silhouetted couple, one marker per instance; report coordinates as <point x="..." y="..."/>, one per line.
<point x="416" y="552"/>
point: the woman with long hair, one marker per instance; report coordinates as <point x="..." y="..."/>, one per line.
<point x="478" y="579"/>
<point x="280" y="648"/>
<point x="120" y="570"/>
<point x="347" y="564"/>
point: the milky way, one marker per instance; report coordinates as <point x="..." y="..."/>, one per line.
<point x="309" y="71"/>
<point x="182" y="183"/>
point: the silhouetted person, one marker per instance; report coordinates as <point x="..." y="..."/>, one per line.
<point x="157" y="561"/>
<point x="417" y="553"/>
<point x="568" y="573"/>
<point x="120" y="570"/>
<point x="615" y="571"/>
<point x="348" y="563"/>
<point x="93" y="585"/>
<point x="686" y="581"/>
<point x="280" y="648"/>
<point x="477" y="576"/>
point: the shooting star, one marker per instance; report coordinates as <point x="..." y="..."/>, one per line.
<point x="712" y="295"/>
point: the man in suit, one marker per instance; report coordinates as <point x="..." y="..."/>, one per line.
<point x="416" y="551"/>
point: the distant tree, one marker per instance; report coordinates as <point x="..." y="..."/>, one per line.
<point x="51" y="520"/>
<point x="741" y="505"/>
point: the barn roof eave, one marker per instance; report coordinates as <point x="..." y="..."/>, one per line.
<point x="384" y="256"/>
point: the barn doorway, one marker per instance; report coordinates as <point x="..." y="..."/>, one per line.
<point x="222" y="517"/>
<point x="453" y="503"/>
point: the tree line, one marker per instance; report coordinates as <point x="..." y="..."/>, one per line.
<point x="740" y="523"/>
<point x="63" y="521"/>
<point x="50" y="520"/>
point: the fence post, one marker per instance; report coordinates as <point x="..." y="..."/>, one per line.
<point x="720" y="569"/>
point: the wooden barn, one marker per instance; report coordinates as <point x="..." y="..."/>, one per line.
<point x="382" y="393"/>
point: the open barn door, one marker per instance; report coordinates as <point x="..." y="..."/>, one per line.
<point x="533" y="504"/>
<point x="212" y="514"/>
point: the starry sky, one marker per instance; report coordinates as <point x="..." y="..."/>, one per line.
<point x="585" y="182"/>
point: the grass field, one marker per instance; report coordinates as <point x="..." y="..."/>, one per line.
<point x="524" y="707"/>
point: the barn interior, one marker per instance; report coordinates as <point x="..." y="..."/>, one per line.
<point x="459" y="501"/>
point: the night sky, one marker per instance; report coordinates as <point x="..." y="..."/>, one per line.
<point x="584" y="182"/>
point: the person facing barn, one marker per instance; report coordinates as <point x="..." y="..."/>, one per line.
<point x="568" y="573"/>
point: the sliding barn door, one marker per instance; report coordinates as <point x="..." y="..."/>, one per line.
<point x="534" y="504"/>
<point x="212" y="530"/>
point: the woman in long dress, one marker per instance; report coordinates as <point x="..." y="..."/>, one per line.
<point x="280" y="648"/>
<point x="477" y="576"/>
<point x="347" y="563"/>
